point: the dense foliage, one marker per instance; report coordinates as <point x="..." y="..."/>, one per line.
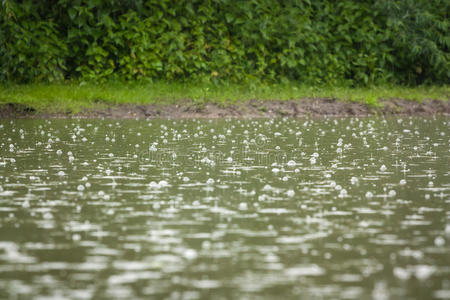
<point x="315" y="42"/>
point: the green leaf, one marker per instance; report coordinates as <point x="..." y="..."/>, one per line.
<point x="72" y="13"/>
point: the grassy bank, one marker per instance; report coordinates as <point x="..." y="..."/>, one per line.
<point x="74" y="96"/>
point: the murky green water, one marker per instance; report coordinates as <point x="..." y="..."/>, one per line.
<point x="228" y="209"/>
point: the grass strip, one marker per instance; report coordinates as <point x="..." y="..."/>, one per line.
<point x="73" y="96"/>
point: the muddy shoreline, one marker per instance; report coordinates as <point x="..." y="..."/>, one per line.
<point x="249" y="109"/>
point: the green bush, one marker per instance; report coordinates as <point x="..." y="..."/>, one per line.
<point x="419" y="36"/>
<point x="314" y="42"/>
<point x="31" y="48"/>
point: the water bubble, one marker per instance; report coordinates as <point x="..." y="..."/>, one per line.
<point x="59" y="152"/>
<point x="243" y="206"/>
<point x="401" y="273"/>
<point x="80" y="187"/>
<point x="383" y="168"/>
<point x="423" y="272"/>
<point x="290" y="193"/>
<point x="291" y="163"/>
<point x="439" y="241"/>
<point x="190" y="254"/>
<point x="210" y="181"/>
<point x="343" y="193"/>
<point x="154" y="185"/>
<point x="369" y="195"/>
<point x="48" y="216"/>
<point x="392" y="193"/>
<point x="402" y="181"/>
<point x="163" y="183"/>
<point x="267" y="187"/>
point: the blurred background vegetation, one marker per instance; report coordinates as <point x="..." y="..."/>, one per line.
<point x="346" y="43"/>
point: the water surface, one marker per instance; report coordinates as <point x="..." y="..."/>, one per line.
<point x="225" y="209"/>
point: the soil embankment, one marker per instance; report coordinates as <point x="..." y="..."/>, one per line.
<point x="249" y="109"/>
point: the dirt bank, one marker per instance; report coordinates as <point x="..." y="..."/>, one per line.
<point x="250" y="109"/>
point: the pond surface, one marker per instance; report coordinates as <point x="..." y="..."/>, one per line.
<point x="225" y="209"/>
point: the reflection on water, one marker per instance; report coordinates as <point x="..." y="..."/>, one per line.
<point x="188" y="209"/>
